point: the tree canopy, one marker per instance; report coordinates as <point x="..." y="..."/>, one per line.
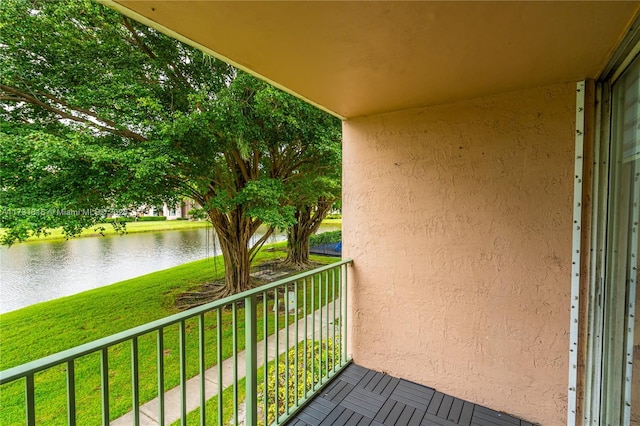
<point x="100" y="113"/>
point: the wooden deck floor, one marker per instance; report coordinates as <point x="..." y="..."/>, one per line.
<point x="359" y="396"/>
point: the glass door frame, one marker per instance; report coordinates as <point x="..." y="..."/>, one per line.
<point x="603" y="346"/>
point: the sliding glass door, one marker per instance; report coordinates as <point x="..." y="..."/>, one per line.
<point x="620" y="368"/>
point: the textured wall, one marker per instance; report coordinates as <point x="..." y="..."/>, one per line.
<point x="458" y="218"/>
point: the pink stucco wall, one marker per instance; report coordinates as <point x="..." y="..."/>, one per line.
<point x="458" y="218"/>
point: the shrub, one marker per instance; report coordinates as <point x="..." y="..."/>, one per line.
<point x="326" y="238"/>
<point x="320" y="352"/>
<point x="134" y="219"/>
<point x="117" y="219"/>
<point x="151" y="218"/>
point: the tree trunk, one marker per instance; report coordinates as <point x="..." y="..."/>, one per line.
<point x="237" y="266"/>
<point x="298" y="245"/>
<point x="234" y="233"/>
<point x="298" y="235"/>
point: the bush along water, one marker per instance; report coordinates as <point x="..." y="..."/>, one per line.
<point x="325" y="238"/>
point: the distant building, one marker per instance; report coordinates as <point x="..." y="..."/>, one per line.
<point x="172" y="212"/>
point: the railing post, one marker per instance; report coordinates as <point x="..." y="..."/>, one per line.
<point x="30" y="400"/>
<point x="251" y="352"/>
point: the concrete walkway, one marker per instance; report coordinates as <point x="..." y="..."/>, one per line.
<point x="149" y="412"/>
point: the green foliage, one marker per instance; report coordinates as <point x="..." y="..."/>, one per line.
<point x="325" y="238"/>
<point x="101" y="114"/>
<point x="128" y="219"/>
<point x="82" y="93"/>
<point x="293" y="380"/>
<point x="125" y="219"/>
<point x="150" y="218"/>
<point x="131" y="228"/>
<point x="197" y="213"/>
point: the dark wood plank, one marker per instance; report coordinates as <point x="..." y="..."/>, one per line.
<point x="411" y="386"/>
<point x="331" y="388"/>
<point x="307" y="418"/>
<point x="316" y="413"/>
<point x="343" y="418"/>
<point x="466" y="414"/>
<point x="379" y="387"/>
<point x="354" y="420"/>
<point x="390" y="387"/>
<point x="496" y="414"/>
<point x="318" y="405"/>
<point x="363" y="402"/>
<point x="434" y="405"/>
<point x="364" y="408"/>
<point x="365" y="421"/>
<point x="416" y="418"/>
<point x="366" y="395"/>
<point x="377" y="378"/>
<point x="445" y="407"/>
<point x="385" y="410"/>
<point x="394" y="414"/>
<point x="456" y="410"/>
<point x="405" y="416"/>
<point x="477" y="421"/>
<point x="410" y="399"/>
<point x="367" y="378"/>
<point x="338" y="393"/>
<point x="411" y="394"/>
<point x="491" y="419"/>
<point x="331" y="418"/>
<point x="433" y="420"/>
<point x="353" y="374"/>
<point x="324" y="402"/>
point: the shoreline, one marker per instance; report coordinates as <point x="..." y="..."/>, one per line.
<point x="137" y="227"/>
<point x="131" y="228"/>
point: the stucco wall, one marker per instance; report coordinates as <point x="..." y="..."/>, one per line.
<point x="458" y="218"/>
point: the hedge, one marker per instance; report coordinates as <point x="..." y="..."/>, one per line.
<point x="134" y="219"/>
<point x="326" y="238"/>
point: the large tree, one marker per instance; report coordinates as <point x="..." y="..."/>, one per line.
<point x="314" y="196"/>
<point x="309" y="163"/>
<point x="102" y="113"/>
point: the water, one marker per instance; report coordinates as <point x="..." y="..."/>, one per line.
<point x="40" y="271"/>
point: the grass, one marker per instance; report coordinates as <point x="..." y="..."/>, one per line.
<point x="135" y="227"/>
<point x="132" y="228"/>
<point x="47" y="328"/>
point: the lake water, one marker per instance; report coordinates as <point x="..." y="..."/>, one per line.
<point x="39" y="271"/>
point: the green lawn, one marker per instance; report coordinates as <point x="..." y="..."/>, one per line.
<point x="46" y="328"/>
<point x="132" y="228"/>
<point x="152" y="226"/>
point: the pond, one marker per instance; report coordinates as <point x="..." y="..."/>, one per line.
<point x="39" y="271"/>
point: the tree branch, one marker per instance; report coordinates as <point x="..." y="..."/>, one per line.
<point x="241" y="164"/>
<point x="253" y="251"/>
<point x="170" y="66"/>
<point x="107" y="126"/>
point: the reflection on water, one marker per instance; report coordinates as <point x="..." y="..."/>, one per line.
<point x="40" y="271"/>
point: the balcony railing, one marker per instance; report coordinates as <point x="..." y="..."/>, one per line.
<point x="291" y="333"/>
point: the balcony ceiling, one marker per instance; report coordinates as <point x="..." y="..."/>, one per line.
<point x="363" y="58"/>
